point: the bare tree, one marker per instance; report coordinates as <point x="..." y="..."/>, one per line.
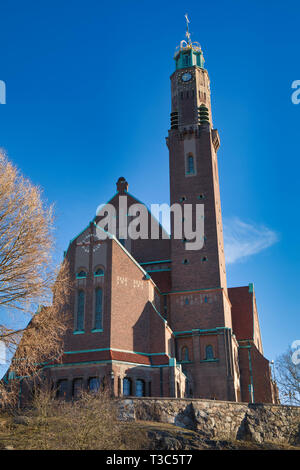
<point x="30" y="287"/>
<point x="287" y="369"/>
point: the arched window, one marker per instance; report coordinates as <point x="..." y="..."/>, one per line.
<point x="98" y="309"/>
<point x="99" y="272"/>
<point x="127" y="387"/>
<point x="185" y="354"/>
<point x="81" y="275"/>
<point x="190" y="165"/>
<point x="94" y="384"/>
<point x="209" y="352"/>
<point x="77" y="387"/>
<point x="139" y="388"/>
<point x="80" y="310"/>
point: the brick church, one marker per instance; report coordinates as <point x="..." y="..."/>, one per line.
<point x="150" y="317"/>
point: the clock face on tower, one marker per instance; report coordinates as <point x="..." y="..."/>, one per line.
<point x="186" y="77"/>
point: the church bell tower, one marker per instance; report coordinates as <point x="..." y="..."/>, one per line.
<point x="199" y="308"/>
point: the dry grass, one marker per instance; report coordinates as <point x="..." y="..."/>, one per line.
<point x="85" y="424"/>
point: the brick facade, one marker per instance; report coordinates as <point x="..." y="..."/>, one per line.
<point x="150" y="317"/>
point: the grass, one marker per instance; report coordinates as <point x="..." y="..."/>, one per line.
<point x="50" y="433"/>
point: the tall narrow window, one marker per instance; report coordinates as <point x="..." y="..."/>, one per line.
<point x="98" y="309"/>
<point x="80" y="310"/>
<point x="139" y="388"/>
<point x="209" y="352"/>
<point x="190" y="165"/>
<point x="186" y="60"/>
<point x="185" y="354"/>
<point x="126" y="386"/>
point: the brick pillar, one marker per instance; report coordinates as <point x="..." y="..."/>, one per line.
<point x="172" y="376"/>
<point x="196" y="347"/>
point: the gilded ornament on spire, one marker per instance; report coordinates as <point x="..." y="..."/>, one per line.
<point x="188" y="44"/>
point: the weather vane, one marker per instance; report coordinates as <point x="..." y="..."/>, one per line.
<point x="188" y="34"/>
<point x="187" y="44"/>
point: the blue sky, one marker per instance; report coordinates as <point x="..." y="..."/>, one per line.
<point x="88" y="100"/>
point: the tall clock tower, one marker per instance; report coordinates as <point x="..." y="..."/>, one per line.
<point x="199" y="308"/>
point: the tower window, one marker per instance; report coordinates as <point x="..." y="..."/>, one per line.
<point x="190" y="165"/>
<point x="80" y="310"/>
<point x="204" y="258"/>
<point x="185" y="261"/>
<point x="186" y="60"/>
<point x="98" y="309"/>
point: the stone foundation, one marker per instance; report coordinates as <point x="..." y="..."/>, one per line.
<point x="219" y="419"/>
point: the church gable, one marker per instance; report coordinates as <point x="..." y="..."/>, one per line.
<point x="146" y="248"/>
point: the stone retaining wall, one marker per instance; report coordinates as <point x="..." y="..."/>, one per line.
<point x="219" y="419"/>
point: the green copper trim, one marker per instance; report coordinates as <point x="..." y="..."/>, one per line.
<point x="156" y="262"/>
<point x="198" y="330"/>
<point x="117" y="350"/>
<point x="78" y="332"/>
<point x="158" y="270"/>
<point x="192" y="290"/>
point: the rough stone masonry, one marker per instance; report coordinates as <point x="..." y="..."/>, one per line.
<point x="222" y="420"/>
